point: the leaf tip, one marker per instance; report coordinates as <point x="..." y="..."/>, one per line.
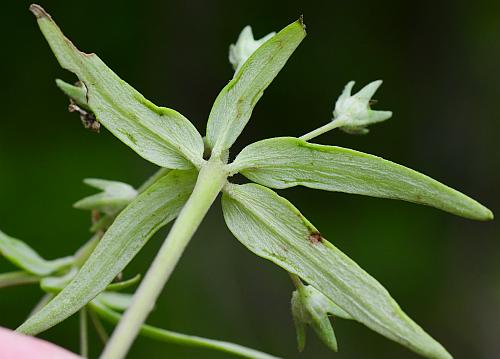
<point x="488" y="215"/>
<point x="38" y="11"/>
<point x="78" y="205"/>
<point x="479" y="213"/>
<point x="301" y="22"/>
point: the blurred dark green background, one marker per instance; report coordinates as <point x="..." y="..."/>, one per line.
<point x="440" y="63"/>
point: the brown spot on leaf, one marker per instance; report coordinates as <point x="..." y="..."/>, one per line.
<point x="315" y="238"/>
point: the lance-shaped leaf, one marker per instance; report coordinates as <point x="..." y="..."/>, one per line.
<point x="233" y="107"/>
<point x="274" y="229"/>
<point x="160" y="135"/>
<point x="151" y="210"/>
<point x="286" y="162"/>
<point x="25" y="257"/>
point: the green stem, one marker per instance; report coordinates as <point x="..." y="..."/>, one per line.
<point x="169" y="336"/>
<point x="17" y="278"/>
<point x="210" y="181"/>
<point x="321" y="130"/>
<point x="84" y="339"/>
<point x="99" y="328"/>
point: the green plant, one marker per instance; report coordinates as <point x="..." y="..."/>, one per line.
<point x="193" y="172"/>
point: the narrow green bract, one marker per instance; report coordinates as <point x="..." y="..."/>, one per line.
<point x="274" y="229"/>
<point x="151" y="210"/>
<point x="287" y="161"/>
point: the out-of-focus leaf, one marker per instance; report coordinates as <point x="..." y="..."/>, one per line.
<point x="124" y="284"/>
<point x="286" y="162"/>
<point x="25" y="257"/>
<point x="116" y="301"/>
<point x="11" y="279"/>
<point x="233" y="107"/>
<point x="103" y="223"/>
<point x="55" y="284"/>
<point x="182" y="339"/>
<point x="160" y="135"/>
<point x="274" y="229"/>
<point x="114" y="196"/>
<point x="151" y="210"/>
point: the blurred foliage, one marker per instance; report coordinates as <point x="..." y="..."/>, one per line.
<point x="439" y="61"/>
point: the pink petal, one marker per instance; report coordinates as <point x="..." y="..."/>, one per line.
<point x="18" y="346"/>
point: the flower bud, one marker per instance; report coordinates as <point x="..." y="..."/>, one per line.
<point x="114" y="197"/>
<point x="311" y="307"/>
<point x="245" y="47"/>
<point x="353" y="113"/>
